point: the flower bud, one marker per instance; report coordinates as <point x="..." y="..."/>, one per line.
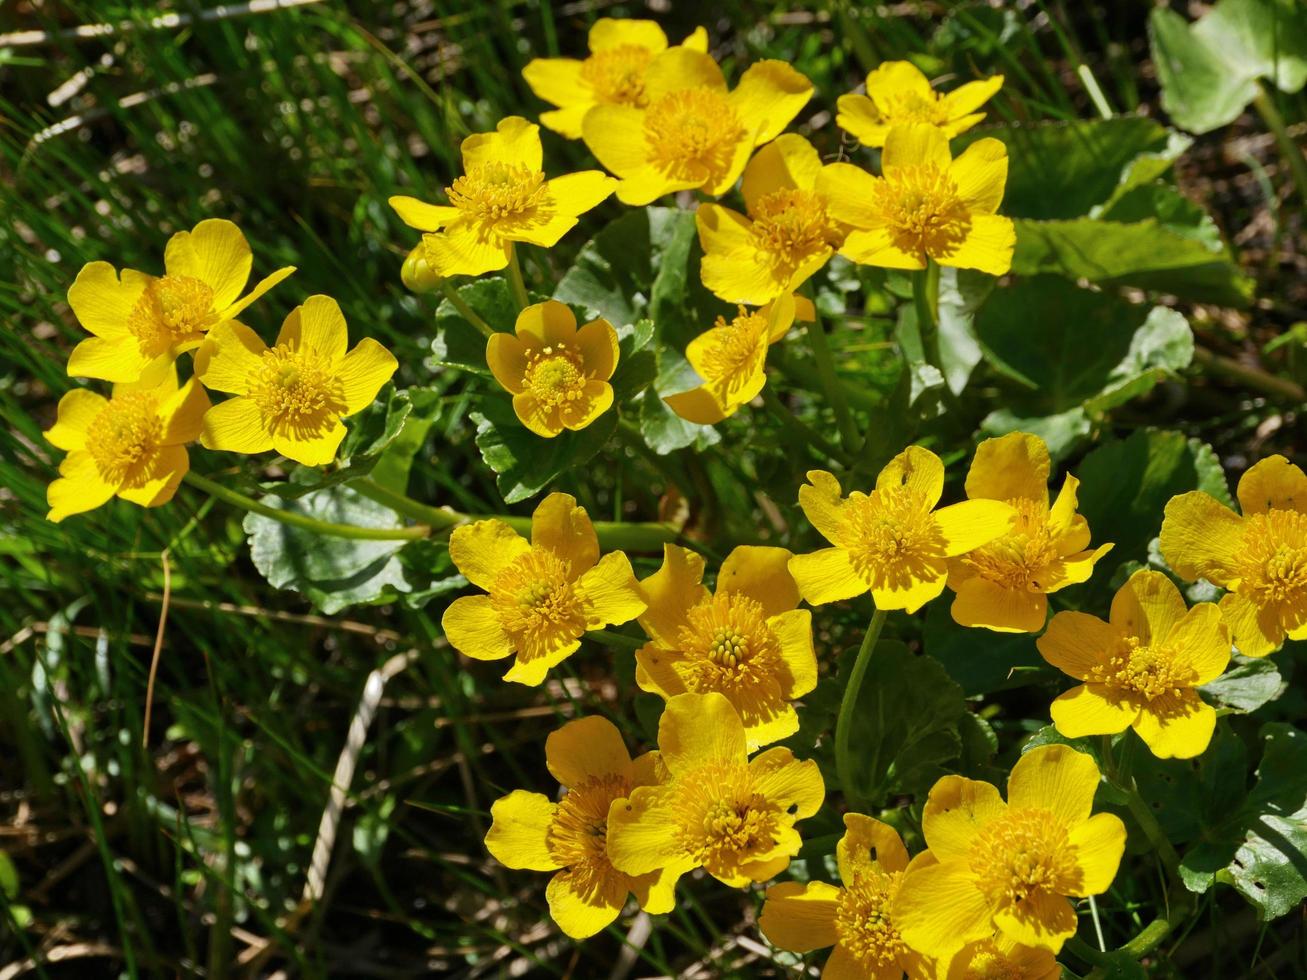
<point x="416" y="274"/>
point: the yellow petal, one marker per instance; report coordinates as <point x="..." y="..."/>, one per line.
<point x="1058" y="779"/>
<point x="230" y="358"/>
<point x="642" y="831"/>
<point x="161" y="478"/>
<point x="261" y="287"/>
<point x="1177" y="727"/>
<point x="915" y="145"/>
<point x="506" y="357"/>
<point x="1256" y="632"/>
<point x="1092" y="709"/>
<point x="788" y="162"/>
<point x="980" y="173"/>
<point x="1273" y="482"/>
<point x="609" y="592"/>
<point x="681" y="68"/>
<point x="531" y="671"/>
<point x="214" y="252"/>
<point x="892" y="80"/>
<point x="563" y="527"/>
<point x="867" y="842"/>
<point x="1201" y="538"/>
<point x="699" y="730"/>
<point x="873" y="247"/>
<point x="484" y="549"/>
<point x="769" y="96"/>
<point x="421" y="215"/>
<point x="466" y="249"/>
<point x="987" y="246"/>
<point x="799" y="917"/>
<point x="766" y="717"/>
<point x="699" y="405"/>
<point x="101" y="302"/>
<point x="956" y="810"/>
<point x="472" y="627"/>
<point x="967" y="525"/>
<point x="566" y="122"/>
<point x="793" y="631"/>
<point x="79" y="488"/>
<point x="596" y="398"/>
<point x="583" y="906"/>
<point x="919" y="471"/>
<point x="762" y="574"/>
<point x="519" y="831"/>
<point x="649" y="182"/>
<point x="615" y="135"/>
<point x="656" y="891"/>
<point x="182" y="413"/>
<point x="827" y="575"/>
<point x="671" y="592"/>
<point x="559" y="81"/>
<point x="939" y="908"/>
<point x="313" y="447"/>
<point x="1076" y="643"/>
<point x="515" y="140"/>
<point x="1010" y="467"/>
<point x="842" y="964"/>
<point x="597" y="342"/>
<point x="777" y="776"/>
<point x="362" y="372"/>
<point x="655" y="671"/>
<point x="966" y="99"/>
<point x="612" y="32"/>
<point x="1148" y="606"/>
<point x="235" y="426"/>
<point x="858" y="116"/>
<point x="569" y="196"/>
<point x="1099" y="844"/>
<point x="696" y="40"/>
<point x="1042" y="920"/>
<point x="822" y="500"/>
<point x="550" y="322"/>
<point x="1070" y="531"/>
<point x="849" y="193"/>
<point x="1004" y="609"/>
<point x="77" y="410"/>
<point x="118" y="359"/>
<point x="590" y="746"/>
<point x="912" y="586"/>
<point x="540" y="418"/>
<point x="317" y="325"/>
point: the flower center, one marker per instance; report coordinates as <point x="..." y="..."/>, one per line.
<point x="577" y="837"/>
<point x="692" y="134"/>
<point x="862" y="919"/>
<point x="616" y="74"/>
<point x="791" y="226"/>
<point x="737" y="352"/>
<point x="1018" y="559"/>
<point x="913" y="107"/>
<point x="1147" y="671"/>
<point x="890" y="536"/>
<point x="724" y="824"/>
<point x="172" y="309"/>
<point x="296" y="390"/>
<point x="921" y="210"/>
<point x="555" y="375"/>
<point x="499" y="191"/>
<point x="1273" y="566"/>
<point x="988" y="962"/>
<point x="536" y="603"/>
<point x="727" y="645"/>
<point x="1022" y="855"/>
<point x="124" y="436"/>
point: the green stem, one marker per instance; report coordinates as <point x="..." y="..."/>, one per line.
<point x="611" y="639"/>
<point x="1250" y="377"/>
<point x="844" y="723"/>
<point x="1265" y="106"/>
<point x="925" y="296"/>
<point x="468" y="314"/>
<point x="1152" y="829"/>
<point x="304" y="521"/>
<point x="436" y="518"/>
<point x="800" y="431"/>
<point x="515" y="279"/>
<point x="830" y="384"/>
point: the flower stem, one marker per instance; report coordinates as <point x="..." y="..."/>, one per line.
<point x="925" y="297"/>
<point x="799" y="430"/>
<point x="515" y="279"/>
<point x="844" y="723"/>
<point x="1293" y="156"/>
<point x="830" y="384"/>
<point x="609" y="638"/>
<point x="468" y="314"/>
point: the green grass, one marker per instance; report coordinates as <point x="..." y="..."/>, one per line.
<point x="191" y="853"/>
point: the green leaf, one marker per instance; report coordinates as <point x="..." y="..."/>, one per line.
<point x="961" y="293"/>
<point x="330" y="572"/>
<point x="665" y="432"/>
<point x="397" y="453"/>
<point x="458" y="344"/>
<point x="980" y="661"/>
<point x="1190" y="796"/>
<point x="1062" y="432"/>
<point x="1261" y="846"/>
<point x="905" y="725"/>
<point x="8" y="877"/>
<point x="1246" y="686"/>
<point x="525" y="462"/>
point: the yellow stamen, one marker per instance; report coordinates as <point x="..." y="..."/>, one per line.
<point x="1272" y="567"/>
<point x="1148" y="672"/>
<point x="1022" y="855"/>
<point x="172" y="309"/>
<point x="616" y="74"/>
<point x="791" y="226"/>
<point x="499" y="191"/>
<point x="296" y="390"/>
<point x="693" y="134"/>
<point x="890" y="536"/>
<point x="555" y="375"/>
<point x="922" y="210"/>
<point x="1020" y="557"/>
<point x="537" y="604"/>
<point x="724" y="824"/>
<point x="124" y="437"/>
<point x="862" y="920"/>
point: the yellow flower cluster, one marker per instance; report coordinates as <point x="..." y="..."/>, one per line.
<point x="290" y="397"/>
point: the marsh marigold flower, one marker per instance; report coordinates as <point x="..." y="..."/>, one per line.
<point x="1259" y="557"/>
<point x="130" y="445"/>
<point x="693" y="132"/>
<point x="1002" y="959"/>
<point x="542" y="595"/>
<point x="613" y="74"/>
<point x="503" y="197"/>
<point x="927" y="205"/>
<point x="786" y="237"/>
<point x="730" y="358"/>
<point x="1004" y="585"/>
<point x="899" y="94"/>
<point x="891" y="542"/>
<point x="1010" y="867"/>
<point x="531" y="832"/>
<point x="140" y="323"/>
<point x="1140" y="669"/>
<point x="558" y="375"/>
<point x="747" y="641"/>
<point x="716" y="809"/>
<point x="292" y="396"/>
<point x="856" y="919"/>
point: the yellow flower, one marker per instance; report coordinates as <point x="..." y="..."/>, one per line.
<point x="1261" y="557"/>
<point x="613" y="74"/>
<point x="502" y="198"/>
<point x="1140" y="670"/>
<point x="899" y="94"/>
<point x="131" y="445"/>
<point x="292" y="396"/>
<point x="926" y="205"/>
<point x="856" y="919"/>
<point x="542" y="595"/>
<point x="141" y="323"/>
<point x="891" y="542"/>
<point x="730" y="357"/>
<point x="747" y="642"/>
<point x="1010" y="866"/>
<point x="1005" y="584"/>
<point x="1000" y="957"/>
<point x="787" y="236"/>
<point x="530" y="832"/>
<point x="693" y="133"/>
<point x="557" y="375"/>
<point x="716" y="809"/>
